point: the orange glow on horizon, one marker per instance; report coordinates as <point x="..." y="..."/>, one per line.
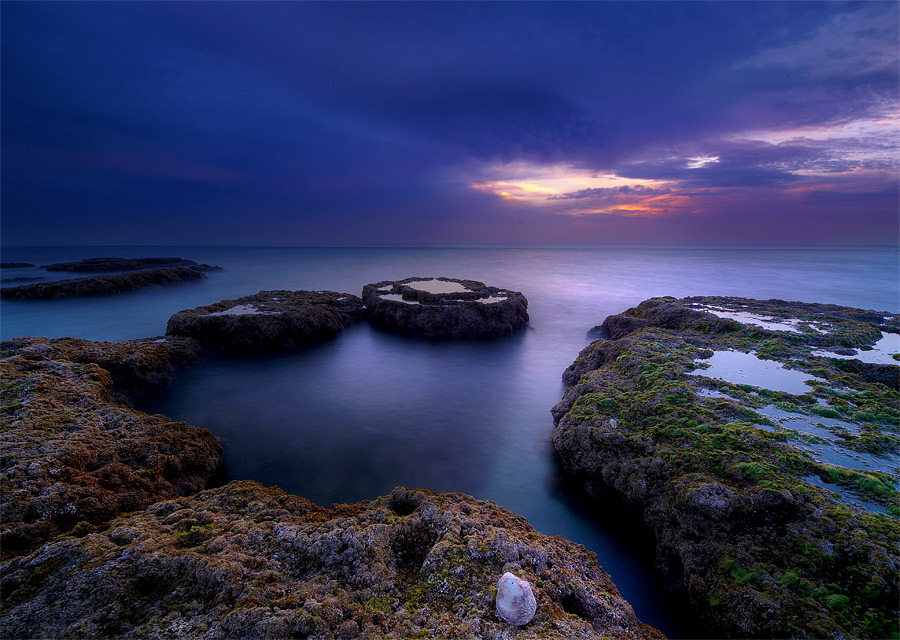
<point x="536" y="184"/>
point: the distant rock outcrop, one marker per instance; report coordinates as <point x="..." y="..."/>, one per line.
<point x="245" y="561"/>
<point x="74" y="456"/>
<point x="268" y="321"/>
<point x="444" y="308"/>
<point x="15" y="265"/>
<point x="106" y="265"/>
<point x="101" y="285"/>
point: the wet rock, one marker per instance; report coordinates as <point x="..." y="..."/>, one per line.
<point x="515" y="600"/>
<point x="106" y="265"/>
<point x="269" y="321"/>
<point x="444" y="308"/>
<point x="74" y="455"/>
<point x="723" y="487"/>
<point x="244" y="560"/>
<point x="102" y="285"/>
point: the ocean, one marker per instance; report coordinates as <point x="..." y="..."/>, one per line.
<point x="352" y="418"/>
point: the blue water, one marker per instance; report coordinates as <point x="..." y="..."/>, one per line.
<point x="354" y="417"/>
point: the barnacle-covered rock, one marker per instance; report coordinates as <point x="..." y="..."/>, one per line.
<point x="770" y="486"/>
<point x="74" y="455"/>
<point x="248" y="561"/>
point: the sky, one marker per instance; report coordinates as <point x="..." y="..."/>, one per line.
<point x="281" y="123"/>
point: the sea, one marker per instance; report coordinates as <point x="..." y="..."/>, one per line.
<point x="354" y="417"/>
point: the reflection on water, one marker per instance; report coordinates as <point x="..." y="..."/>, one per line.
<point x="882" y="352"/>
<point x="745" y="368"/>
<point x="352" y="418"/>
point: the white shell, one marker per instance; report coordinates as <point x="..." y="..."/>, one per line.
<point x="515" y="600"/>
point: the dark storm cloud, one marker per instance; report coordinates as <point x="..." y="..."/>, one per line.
<point x="309" y="122"/>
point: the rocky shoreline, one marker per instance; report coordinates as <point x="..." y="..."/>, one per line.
<point x="240" y="560"/>
<point x="244" y="560"/>
<point x="74" y="453"/>
<point x="776" y="511"/>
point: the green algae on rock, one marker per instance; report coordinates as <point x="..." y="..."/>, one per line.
<point x="777" y="512"/>
<point x="74" y="455"/>
<point x="244" y="560"/>
<point x="444" y="308"/>
<point x="267" y="321"/>
<point x="103" y="285"/>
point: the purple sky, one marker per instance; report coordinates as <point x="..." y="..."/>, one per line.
<point x="406" y="123"/>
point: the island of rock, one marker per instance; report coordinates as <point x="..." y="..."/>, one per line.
<point x="15" y="265"/>
<point x="444" y="308"/>
<point x="102" y="285"/>
<point x="107" y="265"/>
<point x="268" y="321"/>
<point x="759" y="441"/>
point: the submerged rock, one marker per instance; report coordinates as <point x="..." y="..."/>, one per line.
<point x="515" y="600"/>
<point x="778" y="512"/>
<point x="267" y="321"/>
<point x="74" y="455"/>
<point x="444" y="308"/>
<point x="248" y="561"/>
<point x="101" y="285"/>
<point x="101" y="265"/>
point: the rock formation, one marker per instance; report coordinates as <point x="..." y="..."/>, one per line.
<point x="776" y="511"/>
<point x="15" y="265"/>
<point x="267" y="321"/>
<point x="74" y="456"/>
<point x="101" y="265"/>
<point x="444" y="308"/>
<point x="248" y="561"/>
<point x="101" y="285"/>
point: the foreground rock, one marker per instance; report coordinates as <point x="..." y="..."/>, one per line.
<point x="106" y="265"/>
<point x="776" y="510"/>
<point x="444" y="308"/>
<point x="268" y="321"/>
<point x="101" y="285"/>
<point x="74" y="455"/>
<point x="247" y="561"/>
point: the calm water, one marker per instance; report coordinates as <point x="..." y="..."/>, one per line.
<point x="352" y="418"/>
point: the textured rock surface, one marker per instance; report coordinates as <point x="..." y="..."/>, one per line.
<point x="100" y="285"/>
<point x="101" y="265"/>
<point x="730" y="492"/>
<point x="248" y="561"/>
<point x="478" y="311"/>
<point x="73" y="455"/>
<point x="268" y="321"/>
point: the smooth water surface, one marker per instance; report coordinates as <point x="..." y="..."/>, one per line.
<point x="352" y="418"/>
